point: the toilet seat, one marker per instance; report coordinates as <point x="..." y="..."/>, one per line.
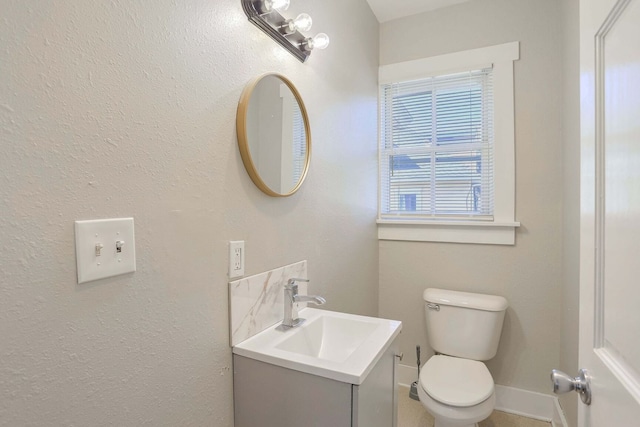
<point x="455" y="381"/>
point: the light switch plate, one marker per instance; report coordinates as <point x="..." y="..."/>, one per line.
<point x="104" y="248"/>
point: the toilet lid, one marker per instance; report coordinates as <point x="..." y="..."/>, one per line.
<point x="455" y="381"/>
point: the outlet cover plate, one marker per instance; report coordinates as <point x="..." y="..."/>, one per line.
<point x="236" y="259"/>
<point x="97" y="253"/>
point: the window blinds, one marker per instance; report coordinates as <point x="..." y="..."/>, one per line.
<point x="436" y="147"/>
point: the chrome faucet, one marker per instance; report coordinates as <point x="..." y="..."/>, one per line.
<point x="290" y="297"/>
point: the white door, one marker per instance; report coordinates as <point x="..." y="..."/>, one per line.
<point x="610" y="211"/>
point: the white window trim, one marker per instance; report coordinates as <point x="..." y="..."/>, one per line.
<point x="500" y="231"/>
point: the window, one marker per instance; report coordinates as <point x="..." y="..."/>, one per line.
<point x="437" y="147"/>
<point x="447" y="148"/>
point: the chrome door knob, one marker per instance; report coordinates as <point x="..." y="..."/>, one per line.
<point x="563" y="383"/>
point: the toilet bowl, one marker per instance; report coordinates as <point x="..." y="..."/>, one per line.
<point x="463" y="329"/>
<point x="457" y="392"/>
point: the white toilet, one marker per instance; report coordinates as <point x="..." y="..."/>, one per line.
<point x="463" y="329"/>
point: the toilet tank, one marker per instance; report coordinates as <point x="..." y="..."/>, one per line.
<point x="464" y="324"/>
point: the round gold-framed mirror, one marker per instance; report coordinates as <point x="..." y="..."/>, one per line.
<point x="274" y="135"/>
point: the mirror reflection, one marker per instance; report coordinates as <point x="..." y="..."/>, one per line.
<point x="273" y="135"/>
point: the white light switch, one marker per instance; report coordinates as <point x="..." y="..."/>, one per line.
<point x="104" y="248"/>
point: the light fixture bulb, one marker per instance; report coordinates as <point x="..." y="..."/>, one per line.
<point x="302" y="22"/>
<point x="270" y="5"/>
<point x="319" y="41"/>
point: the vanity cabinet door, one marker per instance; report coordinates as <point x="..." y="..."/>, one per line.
<point x="266" y="395"/>
<point x="375" y="401"/>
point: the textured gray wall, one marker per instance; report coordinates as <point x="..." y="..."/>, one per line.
<point x="528" y="274"/>
<point x="127" y="108"/>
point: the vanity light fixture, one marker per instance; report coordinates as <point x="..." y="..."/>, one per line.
<point x="265" y="14"/>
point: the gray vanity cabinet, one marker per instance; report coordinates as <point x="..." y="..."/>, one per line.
<point x="375" y="401"/>
<point x="267" y="395"/>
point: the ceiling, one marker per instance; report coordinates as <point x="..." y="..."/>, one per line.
<point x="386" y="10"/>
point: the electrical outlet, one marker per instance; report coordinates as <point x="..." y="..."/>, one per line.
<point x="236" y="259"/>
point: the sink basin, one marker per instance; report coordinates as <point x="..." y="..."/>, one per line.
<point x="339" y="346"/>
<point x="329" y="337"/>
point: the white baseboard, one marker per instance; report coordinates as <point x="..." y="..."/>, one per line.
<point x="513" y="400"/>
<point x="558" y="419"/>
<point x="406" y="375"/>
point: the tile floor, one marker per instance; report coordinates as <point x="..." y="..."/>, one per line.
<point x="411" y="413"/>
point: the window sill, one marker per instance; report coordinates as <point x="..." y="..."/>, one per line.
<point x="478" y="232"/>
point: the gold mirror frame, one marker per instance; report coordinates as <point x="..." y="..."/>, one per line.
<point x="243" y="140"/>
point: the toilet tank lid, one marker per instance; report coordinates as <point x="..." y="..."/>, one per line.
<point x="465" y="299"/>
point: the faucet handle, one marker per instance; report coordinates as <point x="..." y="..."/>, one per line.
<point x="293" y="281"/>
